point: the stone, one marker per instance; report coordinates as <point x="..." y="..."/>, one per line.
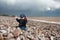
<point x="16" y="33"/>
<point x="35" y="31"/>
<point x="1" y="37"/>
<point x="10" y="35"/>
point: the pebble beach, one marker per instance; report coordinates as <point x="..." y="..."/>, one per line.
<point x="35" y="30"/>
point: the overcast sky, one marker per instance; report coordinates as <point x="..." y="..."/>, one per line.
<point x="44" y="4"/>
<point x="40" y="5"/>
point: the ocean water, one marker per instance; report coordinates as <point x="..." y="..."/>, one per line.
<point x="36" y="13"/>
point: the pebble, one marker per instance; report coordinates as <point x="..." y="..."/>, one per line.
<point x="35" y="31"/>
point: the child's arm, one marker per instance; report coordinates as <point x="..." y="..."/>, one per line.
<point x="17" y="20"/>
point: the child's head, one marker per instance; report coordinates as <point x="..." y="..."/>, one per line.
<point x="22" y="15"/>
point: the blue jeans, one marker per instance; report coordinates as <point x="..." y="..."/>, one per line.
<point x="23" y="28"/>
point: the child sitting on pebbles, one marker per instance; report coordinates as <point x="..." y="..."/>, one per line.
<point x="22" y="22"/>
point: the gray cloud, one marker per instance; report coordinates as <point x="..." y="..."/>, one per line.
<point x="26" y="4"/>
<point x="31" y="7"/>
<point x="57" y="0"/>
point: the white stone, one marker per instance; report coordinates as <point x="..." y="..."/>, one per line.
<point x="18" y="38"/>
<point x="3" y="31"/>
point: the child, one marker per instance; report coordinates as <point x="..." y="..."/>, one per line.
<point x="22" y="21"/>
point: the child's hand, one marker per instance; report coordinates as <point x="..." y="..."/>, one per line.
<point x="16" y="17"/>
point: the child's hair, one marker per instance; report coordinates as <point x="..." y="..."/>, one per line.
<point x="22" y="15"/>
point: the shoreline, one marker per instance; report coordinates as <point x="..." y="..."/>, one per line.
<point x="54" y="19"/>
<point x="44" y="21"/>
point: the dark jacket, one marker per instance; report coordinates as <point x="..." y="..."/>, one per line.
<point x="22" y="22"/>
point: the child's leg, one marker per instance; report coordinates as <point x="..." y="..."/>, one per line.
<point x="24" y="28"/>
